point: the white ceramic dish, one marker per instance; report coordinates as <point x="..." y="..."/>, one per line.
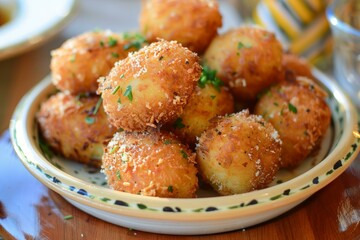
<point x="32" y="23"/>
<point x="87" y="189"/>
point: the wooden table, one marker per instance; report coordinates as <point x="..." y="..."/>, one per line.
<point x="28" y="210"/>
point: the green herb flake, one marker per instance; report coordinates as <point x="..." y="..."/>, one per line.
<point x="161" y="58"/>
<point x="167" y="142"/>
<point x="112" y="42"/>
<point x="114" y="149"/>
<point x="73" y="58"/>
<point x="242" y="45"/>
<point x="115" y="55"/>
<point x="208" y="76"/>
<point x="80" y="96"/>
<point x="68" y="217"/>
<point x="128" y="93"/>
<point x="136" y="41"/>
<point x="97" y="106"/>
<point x="102" y="44"/>
<point x="212" y="97"/>
<point x="122" y="76"/>
<point x="45" y="148"/>
<point x="184" y="154"/>
<point x="118" y="175"/>
<point x="276" y="104"/>
<point x="178" y="124"/>
<point x="292" y="108"/>
<point x="89" y="120"/>
<point x="115" y="90"/>
<point x="170" y="189"/>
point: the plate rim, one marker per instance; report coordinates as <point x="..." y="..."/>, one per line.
<point x="22" y="110"/>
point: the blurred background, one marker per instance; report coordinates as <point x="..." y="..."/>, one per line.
<point x="30" y="29"/>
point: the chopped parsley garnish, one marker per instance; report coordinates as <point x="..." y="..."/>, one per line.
<point x="114" y="149"/>
<point x="137" y="40"/>
<point x="115" y="55"/>
<point x="292" y="108"/>
<point x="68" y="217"/>
<point x="128" y="93"/>
<point x="178" y="124"/>
<point x="242" y="45"/>
<point x="167" y="142"/>
<point x="212" y="96"/>
<point x="170" y="189"/>
<point x="122" y="75"/>
<point x="115" y="90"/>
<point x="45" y="148"/>
<point x="80" y="96"/>
<point x="112" y="42"/>
<point x="118" y="175"/>
<point x="184" y="154"/>
<point x="97" y="106"/>
<point x="102" y="44"/>
<point x="89" y="120"/>
<point x="208" y="76"/>
<point x="73" y="58"/>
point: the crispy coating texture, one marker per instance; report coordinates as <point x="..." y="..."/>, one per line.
<point x="248" y="59"/>
<point x="298" y="111"/>
<point x="81" y="60"/>
<point x="294" y="66"/>
<point x="69" y="126"/>
<point x="239" y="153"/>
<point x="150" y="87"/>
<point x="205" y="104"/>
<point x="193" y="23"/>
<point x="150" y="163"/>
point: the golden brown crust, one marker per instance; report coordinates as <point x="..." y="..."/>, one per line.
<point x="150" y="87"/>
<point x="69" y="127"/>
<point x="239" y="153"/>
<point x="247" y="59"/>
<point x="150" y="163"/>
<point x="300" y="114"/>
<point x="205" y="104"/>
<point x="193" y="23"/>
<point x="81" y="60"/>
<point x="294" y="66"/>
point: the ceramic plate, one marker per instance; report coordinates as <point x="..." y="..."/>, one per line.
<point x="32" y="22"/>
<point x="86" y="188"/>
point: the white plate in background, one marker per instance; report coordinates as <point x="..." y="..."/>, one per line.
<point x="33" y="22"/>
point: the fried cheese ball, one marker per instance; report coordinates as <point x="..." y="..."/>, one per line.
<point x="205" y="104"/>
<point x="150" y="163"/>
<point x="248" y="59"/>
<point x="150" y="87"/>
<point x="81" y="60"/>
<point x="298" y="111"/>
<point x="239" y="153"/>
<point x="295" y="66"/>
<point x="193" y="23"/>
<point x="75" y="127"/>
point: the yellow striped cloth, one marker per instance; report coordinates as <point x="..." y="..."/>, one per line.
<point x="300" y="25"/>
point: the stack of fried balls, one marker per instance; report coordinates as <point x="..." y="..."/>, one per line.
<point x="177" y="104"/>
